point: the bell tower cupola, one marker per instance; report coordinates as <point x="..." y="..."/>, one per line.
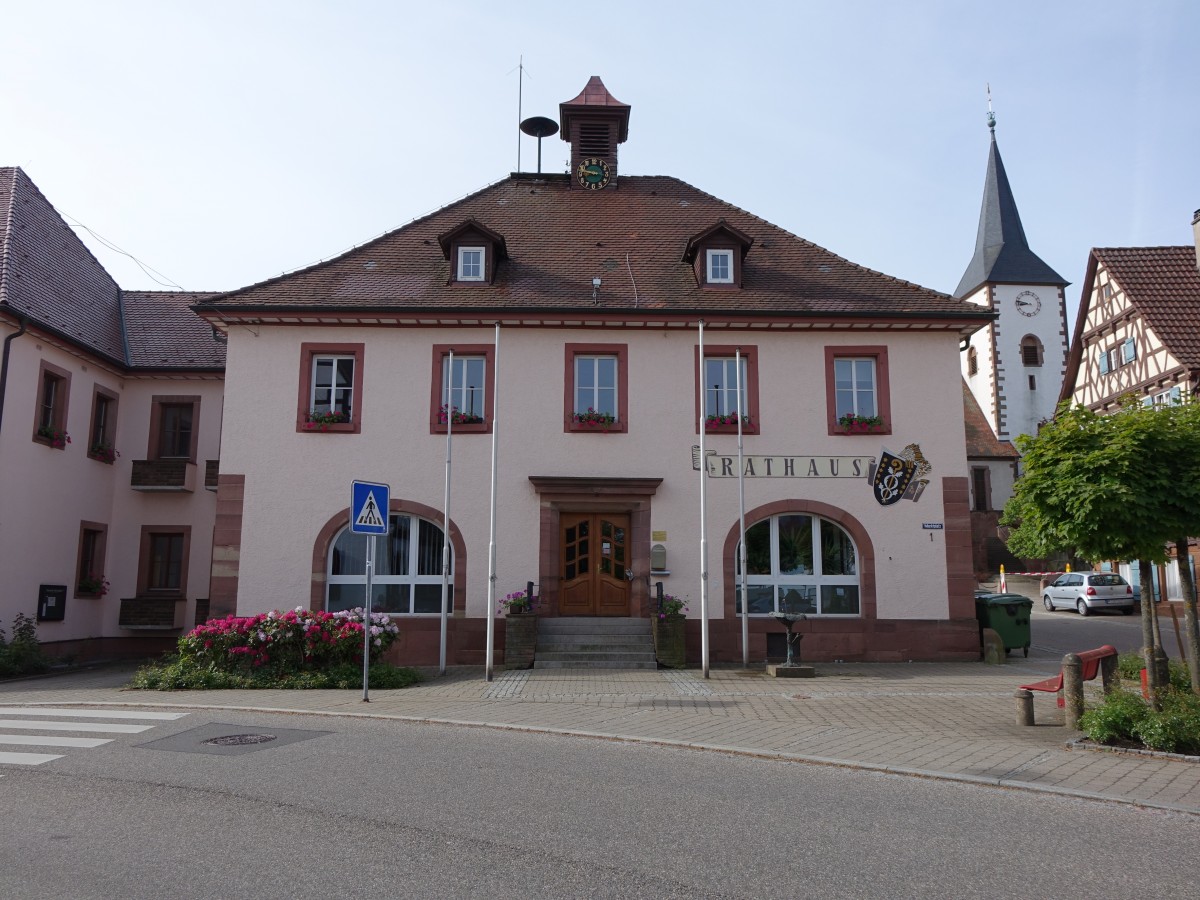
<point x="594" y="123"/>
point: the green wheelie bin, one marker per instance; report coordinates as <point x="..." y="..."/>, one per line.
<point x="1008" y="615"/>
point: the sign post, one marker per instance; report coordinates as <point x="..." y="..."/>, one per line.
<point x="369" y="502"/>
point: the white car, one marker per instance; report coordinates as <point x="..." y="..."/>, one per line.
<point x="1086" y="591"/>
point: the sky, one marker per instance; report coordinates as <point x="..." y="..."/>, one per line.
<point x="220" y="144"/>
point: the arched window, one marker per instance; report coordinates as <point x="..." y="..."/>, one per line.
<point x="798" y="563"/>
<point x="972" y="361"/>
<point x="408" y="569"/>
<point x="1031" y="350"/>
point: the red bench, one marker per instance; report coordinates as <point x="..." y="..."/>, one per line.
<point x="1090" y="669"/>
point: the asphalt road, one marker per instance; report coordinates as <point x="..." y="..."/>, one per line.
<point x="1057" y="633"/>
<point x="368" y="808"/>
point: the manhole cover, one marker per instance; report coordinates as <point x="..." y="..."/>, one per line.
<point x="238" y="740"/>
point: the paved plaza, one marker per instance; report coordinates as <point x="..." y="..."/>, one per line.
<point x="940" y="720"/>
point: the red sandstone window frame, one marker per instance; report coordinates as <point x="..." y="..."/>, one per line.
<point x="750" y="388"/>
<point x="158" y="405"/>
<point x="102" y="432"/>
<point x="621" y="354"/>
<point x="437" y="373"/>
<point x="309" y="352"/>
<point x="883" y="393"/>
<point x="51" y="412"/>
<point x="150" y="547"/>
<point x="90" y="564"/>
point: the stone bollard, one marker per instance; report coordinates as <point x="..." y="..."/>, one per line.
<point x="1024" y="706"/>
<point x="1072" y="669"/>
<point x="1108" y="674"/>
<point x="994" y="653"/>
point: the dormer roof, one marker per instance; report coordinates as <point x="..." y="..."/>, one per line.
<point x="696" y="241"/>
<point x="472" y="226"/>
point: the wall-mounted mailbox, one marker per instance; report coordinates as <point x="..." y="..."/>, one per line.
<point x="52" y="602"/>
<point x="658" y="558"/>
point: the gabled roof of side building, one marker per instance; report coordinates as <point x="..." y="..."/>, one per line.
<point x="49" y="278"/>
<point x="1162" y="284"/>
<point x="982" y="442"/>
<point x="632" y="235"/>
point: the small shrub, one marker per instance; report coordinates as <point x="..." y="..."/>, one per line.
<point x="1116" y="719"/>
<point x="1130" y="666"/>
<point x="1124" y="717"/>
<point x="22" y="655"/>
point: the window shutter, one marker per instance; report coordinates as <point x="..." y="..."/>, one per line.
<point x="1103" y="362"/>
<point x="1128" y="351"/>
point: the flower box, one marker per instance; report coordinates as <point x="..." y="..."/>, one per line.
<point x="852" y="424"/>
<point x="53" y="437"/>
<point x="594" y="421"/>
<point x="104" y="452"/>
<point x="326" y="420"/>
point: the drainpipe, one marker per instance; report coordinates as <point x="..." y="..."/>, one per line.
<point x="4" y="362"/>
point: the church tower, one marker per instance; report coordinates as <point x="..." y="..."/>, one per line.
<point x="1014" y="367"/>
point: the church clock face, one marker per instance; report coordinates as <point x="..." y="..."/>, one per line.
<point x="1028" y="303"/>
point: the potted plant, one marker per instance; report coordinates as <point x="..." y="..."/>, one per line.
<point x="455" y="416"/>
<point x="55" y="437"/>
<point x="104" y="451"/>
<point x="320" y="420"/>
<point x="594" y="419"/>
<point x="520" y="628"/>
<point x="670" y="646"/>
<point x="92" y="585"/>
<point x="854" y="424"/>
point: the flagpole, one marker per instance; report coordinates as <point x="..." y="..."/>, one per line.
<point x="491" y="596"/>
<point x="703" y="519"/>
<point x="742" y="515"/>
<point x="446" y="516"/>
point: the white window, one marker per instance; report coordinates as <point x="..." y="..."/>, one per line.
<point x="470" y="264"/>
<point x="408" y="573"/>
<point x="721" y="388"/>
<point x="332" y="392"/>
<point x="596" y="386"/>
<point x="720" y="266"/>
<point x="463" y="394"/>
<point x="854" y="387"/>
<point x="797" y="563"/>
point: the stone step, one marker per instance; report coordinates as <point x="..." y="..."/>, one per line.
<point x="593" y="664"/>
<point x="592" y="643"/>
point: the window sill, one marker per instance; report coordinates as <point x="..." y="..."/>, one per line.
<point x="463" y="428"/>
<point x="102" y="459"/>
<point x="843" y="431"/>
<point x="730" y="429"/>
<point x="333" y="428"/>
<point x="46" y="442"/>
<point x="596" y="428"/>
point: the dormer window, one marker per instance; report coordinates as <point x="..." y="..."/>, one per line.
<point x="471" y="264"/>
<point x="717" y="255"/>
<point x="720" y="267"/>
<point x="474" y="252"/>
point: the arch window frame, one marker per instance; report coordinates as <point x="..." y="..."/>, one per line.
<point x="393" y="589"/>
<point x="818" y="594"/>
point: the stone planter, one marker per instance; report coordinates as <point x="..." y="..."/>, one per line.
<point x="670" y="646"/>
<point x="520" y="637"/>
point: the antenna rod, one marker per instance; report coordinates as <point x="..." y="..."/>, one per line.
<point x="520" y="86"/>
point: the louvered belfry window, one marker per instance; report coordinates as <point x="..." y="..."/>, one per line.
<point x="594" y="139"/>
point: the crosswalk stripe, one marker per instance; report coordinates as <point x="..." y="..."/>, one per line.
<point x="44" y="740"/>
<point x="106" y="728"/>
<point x="91" y="713"/>
<point x="28" y="759"/>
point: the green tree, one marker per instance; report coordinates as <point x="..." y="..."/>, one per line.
<point x="1110" y="487"/>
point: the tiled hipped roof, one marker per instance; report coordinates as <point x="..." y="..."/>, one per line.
<point x="49" y="277"/>
<point x="632" y="236"/>
<point x="1163" y="284"/>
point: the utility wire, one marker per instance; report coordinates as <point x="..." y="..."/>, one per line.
<point x="150" y="272"/>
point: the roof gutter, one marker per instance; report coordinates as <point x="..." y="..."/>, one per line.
<point x="4" y="363"/>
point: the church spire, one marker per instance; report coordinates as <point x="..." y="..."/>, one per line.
<point x="1002" y="253"/>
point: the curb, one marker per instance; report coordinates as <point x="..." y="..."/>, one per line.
<point x="903" y="771"/>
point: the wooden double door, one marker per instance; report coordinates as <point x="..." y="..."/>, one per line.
<point x="594" y="564"/>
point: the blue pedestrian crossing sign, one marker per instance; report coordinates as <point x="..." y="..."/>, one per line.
<point x="369" y="508"/>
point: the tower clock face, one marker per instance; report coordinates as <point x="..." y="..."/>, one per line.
<point x="1028" y="303"/>
<point x="593" y="173"/>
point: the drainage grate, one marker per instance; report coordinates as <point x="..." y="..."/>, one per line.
<point x="238" y="740"/>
